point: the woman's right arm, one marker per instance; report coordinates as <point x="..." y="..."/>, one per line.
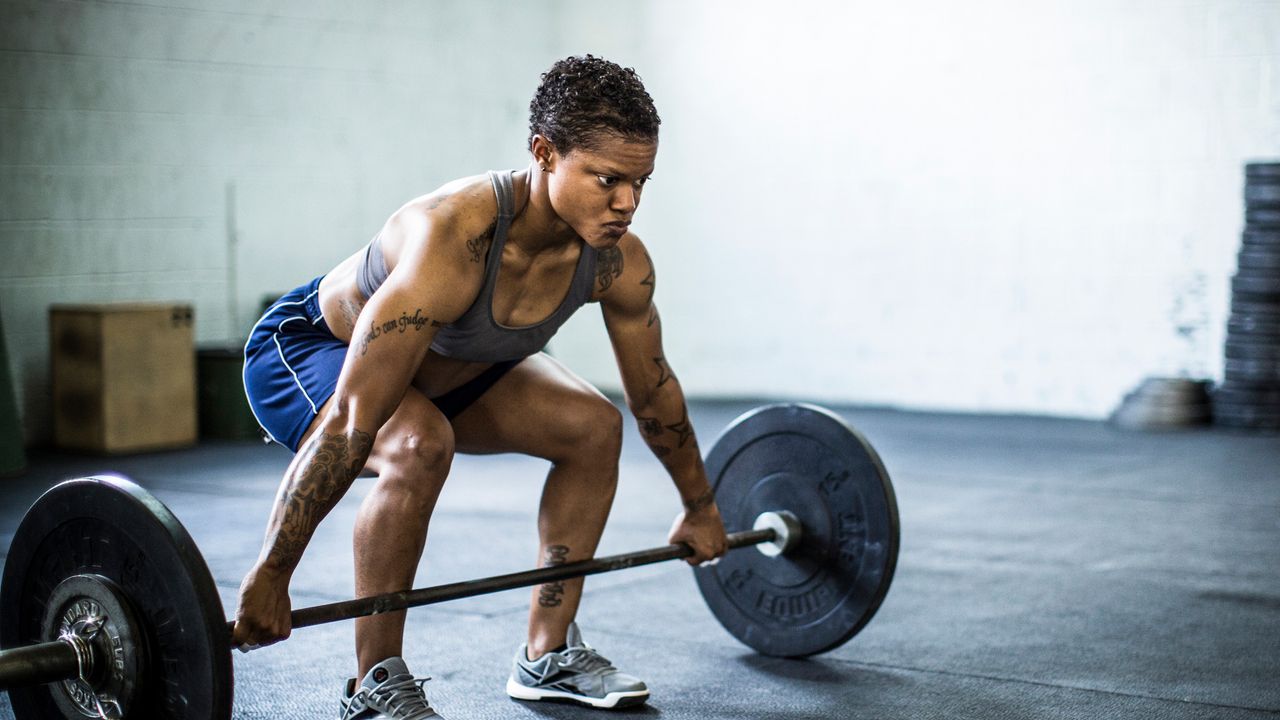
<point x="434" y="282"/>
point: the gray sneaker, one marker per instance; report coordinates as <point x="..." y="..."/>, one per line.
<point x="577" y="674"/>
<point x="388" y="692"/>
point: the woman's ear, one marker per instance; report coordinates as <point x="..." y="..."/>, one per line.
<point x="544" y="153"/>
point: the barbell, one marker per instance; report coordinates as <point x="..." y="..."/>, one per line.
<point x="108" y="610"/>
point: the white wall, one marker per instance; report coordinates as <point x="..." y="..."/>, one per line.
<point x="991" y="205"/>
<point x="995" y="205"/>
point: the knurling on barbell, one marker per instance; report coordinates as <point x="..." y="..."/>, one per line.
<point x="104" y="565"/>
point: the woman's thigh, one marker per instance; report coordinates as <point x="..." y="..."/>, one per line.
<point x="541" y="408"/>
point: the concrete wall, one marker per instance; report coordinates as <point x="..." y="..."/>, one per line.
<point x="212" y="152"/>
<point x="995" y="205"/>
<point x="984" y="206"/>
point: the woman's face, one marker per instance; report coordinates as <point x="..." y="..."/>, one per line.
<point x="596" y="191"/>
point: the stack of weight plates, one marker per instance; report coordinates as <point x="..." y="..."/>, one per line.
<point x="1249" y="397"/>
<point x="1159" y="403"/>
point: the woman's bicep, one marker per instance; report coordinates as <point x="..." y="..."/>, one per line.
<point x="428" y="289"/>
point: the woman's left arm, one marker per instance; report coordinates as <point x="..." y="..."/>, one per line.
<point x="625" y="282"/>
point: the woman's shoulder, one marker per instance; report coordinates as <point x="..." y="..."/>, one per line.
<point x="455" y="201"/>
<point x="456" y="212"/>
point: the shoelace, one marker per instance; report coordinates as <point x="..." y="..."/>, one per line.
<point x="353" y="708"/>
<point x="584" y="658"/>
<point x="400" y="696"/>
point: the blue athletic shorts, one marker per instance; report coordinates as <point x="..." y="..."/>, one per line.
<point x="292" y="361"/>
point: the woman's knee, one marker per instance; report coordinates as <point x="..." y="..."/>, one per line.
<point x="430" y="450"/>
<point x="415" y="445"/>
<point x="592" y="431"/>
<point x="412" y="466"/>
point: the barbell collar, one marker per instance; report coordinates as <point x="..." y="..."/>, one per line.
<point x="788" y="531"/>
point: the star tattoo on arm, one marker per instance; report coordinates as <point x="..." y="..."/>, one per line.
<point x="683" y="429"/>
<point x="664" y="372"/>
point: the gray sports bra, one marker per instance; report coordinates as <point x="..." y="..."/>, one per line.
<point x="476" y="336"/>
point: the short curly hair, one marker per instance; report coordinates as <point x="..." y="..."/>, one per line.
<point x="583" y="97"/>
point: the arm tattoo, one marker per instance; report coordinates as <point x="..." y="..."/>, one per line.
<point x="702" y="501"/>
<point x="434" y="202"/>
<point x="653" y="315"/>
<point x="416" y="322"/>
<point x="549" y="595"/>
<point x="350" y="311"/>
<point x="369" y="337"/>
<point x="682" y="428"/>
<point x="648" y="279"/>
<point x="477" y="245"/>
<point x="321" y="474"/>
<point x="664" y="372"/>
<point x="650" y="427"/>
<point x="608" y="267"/>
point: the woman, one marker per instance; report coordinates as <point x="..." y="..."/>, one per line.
<point x="426" y="342"/>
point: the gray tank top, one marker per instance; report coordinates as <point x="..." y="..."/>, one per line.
<point x="476" y="336"/>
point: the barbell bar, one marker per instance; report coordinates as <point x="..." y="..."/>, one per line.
<point x="74" y="654"/>
<point x="107" y="608"/>
<point x="389" y="602"/>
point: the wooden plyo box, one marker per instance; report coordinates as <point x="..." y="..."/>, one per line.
<point x="124" y="376"/>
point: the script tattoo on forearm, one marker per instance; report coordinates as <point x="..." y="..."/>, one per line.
<point x="477" y="245"/>
<point x="325" y="468"/>
<point x="405" y="322"/>
<point x="550" y="594"/>
<point x="702" y="501"/>
<point x="608" y="267"/>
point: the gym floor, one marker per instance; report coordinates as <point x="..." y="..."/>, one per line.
<point x="1048" y="569"/>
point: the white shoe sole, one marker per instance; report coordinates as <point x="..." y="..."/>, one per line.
<point x="613" y="699"/>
